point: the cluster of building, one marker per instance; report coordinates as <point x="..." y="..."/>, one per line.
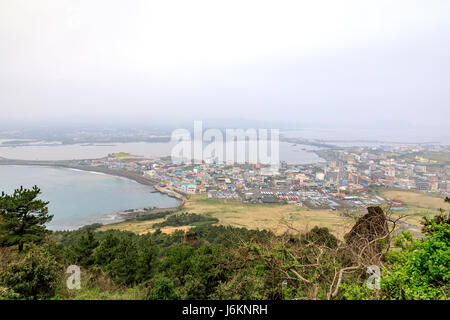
<point x="403" y="167"/>
<point x="342" y="181"/>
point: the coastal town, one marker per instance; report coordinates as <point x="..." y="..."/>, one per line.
<point x="347" y="180"/>
<point x="224" y="155"/>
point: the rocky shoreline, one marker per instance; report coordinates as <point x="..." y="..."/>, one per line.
<point x="134" y="213"/>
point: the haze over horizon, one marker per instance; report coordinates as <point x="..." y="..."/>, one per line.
<point x="347" y="63"/>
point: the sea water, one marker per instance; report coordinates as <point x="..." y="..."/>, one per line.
<point x="78" y="198"/>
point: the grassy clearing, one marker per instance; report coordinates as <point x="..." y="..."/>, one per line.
<point x="415" y="214"/>
<point x="142" y="227"/>
<point x="133" y="225"/>
<point x="417" y="198"/>
<point x="101" y="288"/>
<point x="276" y="217"/>
<point x="281" y="217"/>
<point x="440" y="157"/>
<point x="419" y="205"/>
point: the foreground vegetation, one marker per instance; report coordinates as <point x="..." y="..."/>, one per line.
<point x="213" y="261"/>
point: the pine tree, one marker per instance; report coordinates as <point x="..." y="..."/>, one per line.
<point x="83" y="250"/>
<point x="23" y="217"/>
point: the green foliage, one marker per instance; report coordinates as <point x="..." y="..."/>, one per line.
<point x="161" y="288"/>
<point x="204" y="273"/>
<point x="176" y="262"/>
<point x="35" y="275"/>
<point x="242" y="285"/>
<point x="230" y="236"/>
<point x="126" y="260"/>
<point x="428" y="224"/>
<point x="185" y="219"/>
<point x="8" y="294"/>
<point x="70" y="238"/>
<point x="153" y="216"/>
<point x="23" y="217"/>
<point x="97" y="293"/>
<point x="226" y="263"/>
<point x="320" y="236"/>
<point x="82" y="253"/>
<point x="279" y="264"/>
<point x="91" y="227"/>
<point x="357" y="291"/>
<point x="421" y="269"/>
<point x="417" y="269"/>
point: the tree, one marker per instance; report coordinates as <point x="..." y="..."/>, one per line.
<point x="35" y="276"/>
<point x="83" y="250"/>
<point x="123" y="267"/>
<point x="23" y="217"/>
<point x="126" y="260"/>
<point x="107" y="250"/>
<point x="204" y="273"/>
<point x="176" y="263"/>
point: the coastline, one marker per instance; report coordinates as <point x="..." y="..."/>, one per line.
<point x="119" y="216"/>
<point x="131" y="214"/>
<point x="64" y="164"/>
<point x="132" y="176"/>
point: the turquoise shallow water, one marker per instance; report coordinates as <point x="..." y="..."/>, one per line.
<point x="78" y="197"/>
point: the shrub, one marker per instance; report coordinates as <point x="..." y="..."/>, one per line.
<point x="185" y="219"/>
<point x="161" y="288"/>
<point x="126" y="260"/>
<point x="152" y="216"/>
<point x="83" y="250"/>
<point x="35" y="275"/>
<point x="421" y="269"/>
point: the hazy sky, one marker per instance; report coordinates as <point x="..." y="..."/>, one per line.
<point x="311" y="61"/>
